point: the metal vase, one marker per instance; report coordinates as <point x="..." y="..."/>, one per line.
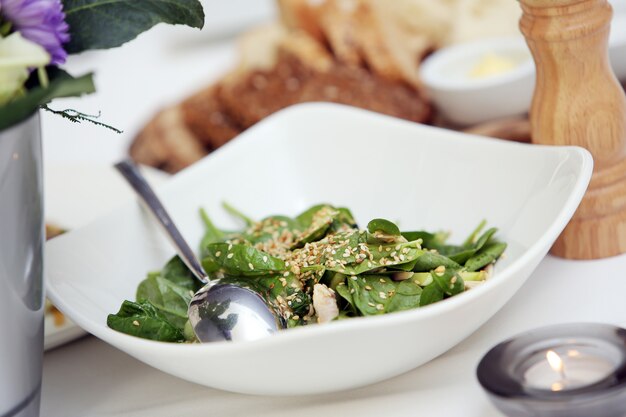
<point x="21" y="269"/>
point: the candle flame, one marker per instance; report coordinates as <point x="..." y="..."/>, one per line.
<point x="557" y="386"/>
<point x="555" y="361"/>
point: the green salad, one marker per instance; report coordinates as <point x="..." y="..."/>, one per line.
<point x="314" y="268"/>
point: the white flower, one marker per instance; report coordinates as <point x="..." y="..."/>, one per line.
<point x="16" y="56"/>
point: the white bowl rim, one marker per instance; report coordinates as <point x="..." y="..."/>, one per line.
<point x="124" y="341"/>
<point x="432" y="78"/>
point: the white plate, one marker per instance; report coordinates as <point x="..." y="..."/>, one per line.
<point x="76" y="194"/>
<point x="380" y="167"/>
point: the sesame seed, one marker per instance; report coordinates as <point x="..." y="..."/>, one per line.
<point x="371" y="304"/>
<point x="368" y="288"/>
<point x="351" y="290"/>
<point x="265" y="259"/>
<point x="398" y="247"/>
<point x="230" y="255"/>
<point x="286" y="274"/>
<point x="382" y="295"/>
<point x="218" y="254"/>
<point x="135" y="323"/>
<point x="380" y="307"/>
<point x="250" y="266"/>
<point x="230" y="246"/>
<point x="453" y="280"/>
<point x="380" y="248"/>
<point x="382" y="280"/>
<point x="440" y="270"/>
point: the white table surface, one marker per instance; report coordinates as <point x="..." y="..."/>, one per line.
<point x="90" y="378"/>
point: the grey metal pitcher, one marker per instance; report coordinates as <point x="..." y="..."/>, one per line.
<point x="21" y="269"/>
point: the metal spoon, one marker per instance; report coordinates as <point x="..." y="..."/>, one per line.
<point x="217" y="312"/>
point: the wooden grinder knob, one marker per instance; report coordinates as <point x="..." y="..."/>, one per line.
<point x="578" y="101"/>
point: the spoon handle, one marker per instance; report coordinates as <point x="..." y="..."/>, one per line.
<point x="136" y="180"/>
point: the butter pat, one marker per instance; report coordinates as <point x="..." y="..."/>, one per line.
<point x="492" y="64"/>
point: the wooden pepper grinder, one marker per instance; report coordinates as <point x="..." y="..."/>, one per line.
<point x="578" y="101"/>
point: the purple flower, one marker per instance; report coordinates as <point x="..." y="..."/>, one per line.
<point x="40" y="21"/>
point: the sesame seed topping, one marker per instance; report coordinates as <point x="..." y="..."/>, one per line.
<point x="265" y="259"/>
<point x="135" y="323"/>
<point x="230" y="255"/>
<point x="368" y="288"/>
<point x="218" y="254"/>
<point x="380" y="307"/>
<point x="250" y="265"/>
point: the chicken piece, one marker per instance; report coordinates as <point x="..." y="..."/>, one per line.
<point x="324" y="303"/>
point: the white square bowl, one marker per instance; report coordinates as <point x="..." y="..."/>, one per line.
<point x="420" y="176"/>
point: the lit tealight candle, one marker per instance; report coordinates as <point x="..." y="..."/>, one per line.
<point x="576" y="370"/>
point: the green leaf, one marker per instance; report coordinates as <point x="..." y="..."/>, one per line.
<point x="211" y="235"/>
<point x="428" y="261"/>
<point x="100" y="24"/>
<point x="317" y="227"/>
<point x="61" y="84"/>
<point x="471" y="239"/>
<point x="488" y="254"/>
<point x="145" y="321"/>
<point x="383" y="226"/>
<point x="435" y="241"/>
<point x="170" y="299"/>
<point x="431" y="294"/>
<point x="377" y="294"/>
<point x="177" y="272"/>
<point x="449" y="281"/>
<point x="240" y="260"/>
<point x="463" y="255"/>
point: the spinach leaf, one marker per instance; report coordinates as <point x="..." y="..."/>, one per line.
<point x="306" y="217"/>
<point x="145" y="321"/>
<point x="177" y="272"/>
<point x="345" y="292"/>
<point x="317" y="226"/>
<point x="383" y="226"/>
<point x="240" y="259"/>
<point x="464" y="254"/>
<point x="277" y="228"/>
<point x="170" y="299"/>
<point x="436" y="241"/>
<point x="428" y="261"/>
<point x="449" y="281"/>
<point x="431" y="294"/>
<point x="488" y="254"/>
<point x="471" y="239"/>
<point x="212" y="233"/>
<point x="382" y="256"/>
<point x="377" y="294"/>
